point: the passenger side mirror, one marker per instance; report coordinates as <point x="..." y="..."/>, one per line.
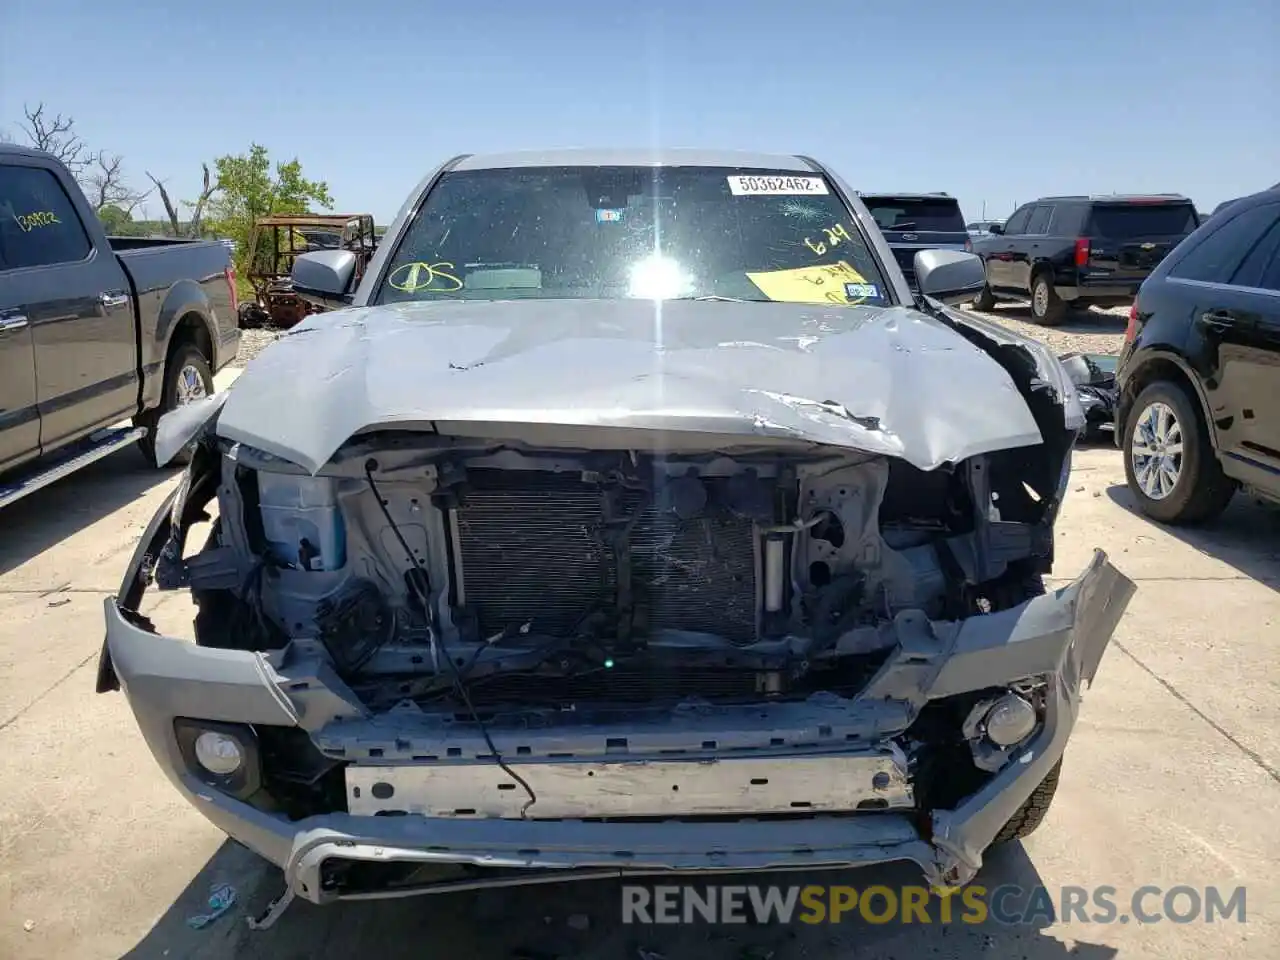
<point x="324" y="277"/>
<point x="995" y="228"/>
<point x="949" y="275"/>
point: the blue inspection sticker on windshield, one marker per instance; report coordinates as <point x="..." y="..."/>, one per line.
<point x="608" y="216"/>
<point x="861" y="291"/>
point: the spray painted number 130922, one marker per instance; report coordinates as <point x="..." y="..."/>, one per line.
<point x="33" y="221"/>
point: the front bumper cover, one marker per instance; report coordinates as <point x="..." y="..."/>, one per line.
<point x="1061" y="635"/>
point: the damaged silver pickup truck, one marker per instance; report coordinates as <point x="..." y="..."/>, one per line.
<point x="632" y="516"/>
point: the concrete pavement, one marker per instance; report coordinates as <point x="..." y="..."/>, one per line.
<point x="1171" y="778"/>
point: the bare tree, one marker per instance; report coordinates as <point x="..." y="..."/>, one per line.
<point x="104" y="186"/>
<point x="56" y="135"/>
<point x="208" y="188"/>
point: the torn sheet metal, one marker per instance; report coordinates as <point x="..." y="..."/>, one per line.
<point x="1060" y="635"/>
<point x="888" y="381"/>
<point x="179" y="426"/>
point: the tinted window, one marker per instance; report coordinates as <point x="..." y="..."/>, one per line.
<point x="639" y="232"/>
<point x="1271" y="275"/>
<point x="1261" y="267"/>
<point x="1218" y="255"/>
<point x="38" y="224"/>
<point x="1039" y="222"/>
<point x="1018" y="222"/>
<point x="896" y="213"/>
<point x="1123" y="220"/>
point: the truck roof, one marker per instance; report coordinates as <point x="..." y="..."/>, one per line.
<point x="1123" y="198"/>
<point x="17" y="150"/>
<point x="634" y="157"/>
<point x="905" y="195"/>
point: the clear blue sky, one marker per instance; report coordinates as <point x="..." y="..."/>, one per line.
<point x="993" y="101"/>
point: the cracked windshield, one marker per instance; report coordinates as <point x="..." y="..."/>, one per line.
<point x="610" y="232"/>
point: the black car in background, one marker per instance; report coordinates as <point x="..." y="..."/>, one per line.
<point x="1079" y="251"/>
<point x="911" y="222"/>
<point x="1198" y="413"/>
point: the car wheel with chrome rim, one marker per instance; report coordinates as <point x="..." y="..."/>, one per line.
<point x="1169" y="460"/>
<point x="187" y="378"/>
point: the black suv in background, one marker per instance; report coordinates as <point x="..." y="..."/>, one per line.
<point x="1078" y="251"/>
<point x="1198" y="413"/>
<point x="911" y="222"/>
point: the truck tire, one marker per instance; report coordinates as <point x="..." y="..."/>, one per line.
<point x="1046" y="309"/>
<point x="985" y="300"/>
<point x="1031" y="814"/>
<point x="187" y="377"/>
<point x="1200" y="490"/>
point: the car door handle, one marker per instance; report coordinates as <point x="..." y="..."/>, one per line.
<point x="13" y="322"/>
<point x="114" y="299"/>
<point x="1214" y="320"/>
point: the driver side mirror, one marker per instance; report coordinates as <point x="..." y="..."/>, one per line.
<point x="996" y="228"/>
<point x="324" y="277"/>
<point x="949" y="275"/>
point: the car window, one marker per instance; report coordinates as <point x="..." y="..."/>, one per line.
<point x="1261" y="267"/>
<point x="633" y="232"/>
<point x="1039" y="222"/>
<point x="902" y="213"/>
<point x="1270" y="279"/>
<point x="1220" y="253"/>
<point x="1123" y="221"/>
<point x="1018" y="222"/>
<point x="38" y="223"/>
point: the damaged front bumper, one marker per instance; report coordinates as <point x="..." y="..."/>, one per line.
<point x="1059" y="637"/>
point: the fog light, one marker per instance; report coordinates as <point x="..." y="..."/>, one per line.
<point x="1010" y="720"/>
<point x="219" y="754"/>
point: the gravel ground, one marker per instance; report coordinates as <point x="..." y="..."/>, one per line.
<point x="1091" y="331"/>
<point x="253" y="342"/>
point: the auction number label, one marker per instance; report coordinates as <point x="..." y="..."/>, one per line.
<point x="742" y="185"/>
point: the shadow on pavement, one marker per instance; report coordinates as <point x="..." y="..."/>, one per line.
<point x="584" y="921"/>
<point x="1246" y="536"/>
<point x="47" y="517"/>
<point x="1096" y="441"/>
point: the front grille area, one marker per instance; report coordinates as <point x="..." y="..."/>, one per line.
<point x="534" y="550"/>
<point x="638" y="684"/>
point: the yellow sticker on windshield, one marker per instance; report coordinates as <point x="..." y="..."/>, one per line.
<point x="821" y="284"/>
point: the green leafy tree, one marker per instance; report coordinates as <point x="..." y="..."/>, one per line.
<point x="249" y="187"/>
<point x="116" y="221"/>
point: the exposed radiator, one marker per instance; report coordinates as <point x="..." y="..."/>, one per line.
<point x="533" y="550"/>
<point x="625" y="684"/>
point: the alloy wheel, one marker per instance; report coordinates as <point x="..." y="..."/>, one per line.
<point x="1156" y="450"/>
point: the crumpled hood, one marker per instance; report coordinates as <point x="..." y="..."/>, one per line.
<point x="883" y="380"/>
